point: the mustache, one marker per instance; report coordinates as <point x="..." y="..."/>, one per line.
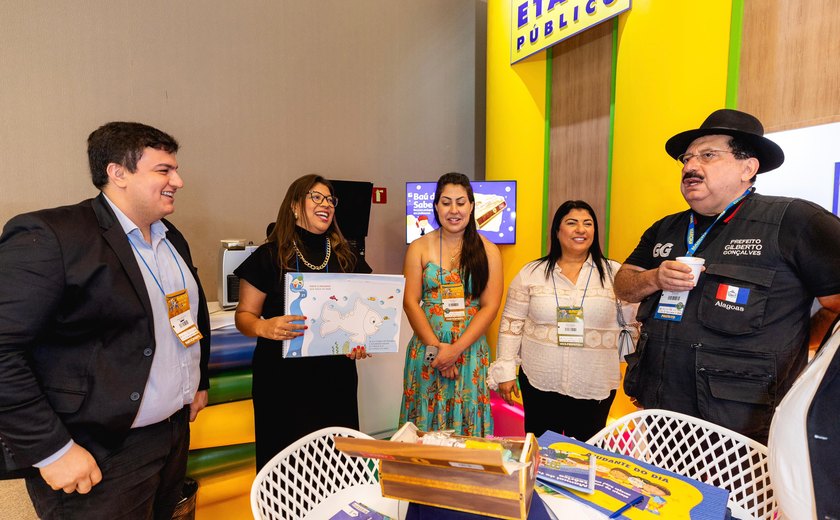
<point x="692" y="175"/>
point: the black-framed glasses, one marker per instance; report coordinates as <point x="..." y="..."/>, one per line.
<point x="318" y="197"/>
<point x="706" y="156"/>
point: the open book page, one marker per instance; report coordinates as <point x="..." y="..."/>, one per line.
<point x="344" y="311"/>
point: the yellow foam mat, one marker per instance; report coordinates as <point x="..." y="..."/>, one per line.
<point x="231" y="486"/>
<point x="222" y="425"/>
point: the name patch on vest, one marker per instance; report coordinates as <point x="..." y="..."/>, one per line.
<point x="743" y="247"/>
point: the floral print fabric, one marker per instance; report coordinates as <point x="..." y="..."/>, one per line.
<point x="433" y="402"/>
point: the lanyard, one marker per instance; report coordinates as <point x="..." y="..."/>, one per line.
<point x="557" y="300"/>
<point x="150" y="269"/>
<point x="689" y="238"/>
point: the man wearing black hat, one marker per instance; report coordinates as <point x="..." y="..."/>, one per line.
<point x="729" y="348"/>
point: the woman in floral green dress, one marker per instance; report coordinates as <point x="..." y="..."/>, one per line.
<point x="454" y="285"/>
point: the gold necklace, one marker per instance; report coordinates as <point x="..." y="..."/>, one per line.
<point x="454" y="255"/>
<point x="312" y="266"/>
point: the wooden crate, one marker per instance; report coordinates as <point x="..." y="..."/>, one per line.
<point x="469" y="480"/>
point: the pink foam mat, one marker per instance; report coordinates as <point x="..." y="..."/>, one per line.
<point x="508" y="421"/>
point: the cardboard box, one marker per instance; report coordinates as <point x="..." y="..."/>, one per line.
<point x="470" y="480"/>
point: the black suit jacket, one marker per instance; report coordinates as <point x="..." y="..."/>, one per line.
<point x="76" y="332"/>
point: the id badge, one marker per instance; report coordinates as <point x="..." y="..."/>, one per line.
<point x="671" y="305"/>
<point x="570" y="326"/>
<point x="178" y="306"/>
<point x="452" y="297"/>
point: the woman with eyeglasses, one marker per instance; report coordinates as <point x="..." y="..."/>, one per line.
<point x="453" y="290"/>
<point x="305" y="238"/>
<point x="561" y="324"/>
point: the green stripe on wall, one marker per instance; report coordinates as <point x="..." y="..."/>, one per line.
<point x="546" y="152"/>
<point x="733" y="71"/>
<point x="610" y="137"/>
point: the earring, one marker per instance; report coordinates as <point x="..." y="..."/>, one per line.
<point x="296" y="215"/>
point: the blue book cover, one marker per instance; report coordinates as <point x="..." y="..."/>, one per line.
<point x="358" y="511"/>
<point x="620" y="479"/>
<point x="344" y="311"/>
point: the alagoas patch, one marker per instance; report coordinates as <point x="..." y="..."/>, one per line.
<point x="727" y="295"/>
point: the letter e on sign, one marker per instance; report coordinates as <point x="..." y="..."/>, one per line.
<point x="379" y="195"/>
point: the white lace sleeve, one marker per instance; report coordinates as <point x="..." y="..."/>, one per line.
<point x="510" y="335"/>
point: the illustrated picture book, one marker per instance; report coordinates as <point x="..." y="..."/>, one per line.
<point x="620" y="479"/>
<point x="570" y="469"/>
<point x="344" y="311"/>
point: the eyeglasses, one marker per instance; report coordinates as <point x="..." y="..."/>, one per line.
<point x="707" y="156"/>
<point x="318" y="197"/>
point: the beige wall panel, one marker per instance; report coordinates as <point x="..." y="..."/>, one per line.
<point x="790" y="62"/>
<point x="258" y="93"/>
<point x="580" y="120"/>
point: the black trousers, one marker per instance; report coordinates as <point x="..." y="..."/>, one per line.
<point x="141" y="479"/>
<point x="578" y="418"/>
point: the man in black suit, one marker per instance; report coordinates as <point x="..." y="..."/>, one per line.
<point x="104" y="338"/>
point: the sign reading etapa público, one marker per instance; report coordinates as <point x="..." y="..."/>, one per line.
<point x="537" y="24"/>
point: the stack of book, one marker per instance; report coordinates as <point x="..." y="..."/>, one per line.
<point x="621" y="486"/>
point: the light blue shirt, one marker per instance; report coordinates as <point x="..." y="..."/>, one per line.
<point x="173" y="380"/>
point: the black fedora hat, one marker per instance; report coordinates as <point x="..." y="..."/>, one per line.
<point x="737" y="124"/>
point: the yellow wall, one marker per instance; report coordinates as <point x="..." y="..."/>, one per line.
<point x="515" y="137"/>
<point x="670" y="74"/>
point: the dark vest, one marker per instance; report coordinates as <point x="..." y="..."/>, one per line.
<point x="743" y="337"/>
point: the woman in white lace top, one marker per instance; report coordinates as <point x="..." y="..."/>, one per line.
<point x="560" y="323"/>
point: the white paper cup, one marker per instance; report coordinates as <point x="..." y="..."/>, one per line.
<point x="694" y="263"/>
